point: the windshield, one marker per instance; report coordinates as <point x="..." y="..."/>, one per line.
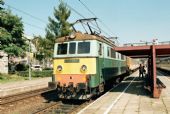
<point x="62" y="49"/>
<point x="72" y="48"/>
<point x="83" y="47"/>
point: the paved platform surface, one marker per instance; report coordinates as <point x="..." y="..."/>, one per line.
<point x="130" y="97"/>
<point x="23" y="86"/>
<point x="166" y="68"/>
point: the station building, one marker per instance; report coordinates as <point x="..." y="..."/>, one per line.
<point x="3" y="62"/>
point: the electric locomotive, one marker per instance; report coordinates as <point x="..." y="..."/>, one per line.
<point x="83" y="64"/>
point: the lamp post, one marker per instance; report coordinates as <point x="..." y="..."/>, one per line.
<point x="29" y="58"/>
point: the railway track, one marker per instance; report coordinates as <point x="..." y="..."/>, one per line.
<point x="67" y="106"/>
<point x="60" y="107"/>
<point x="57" y="107"/>
<point x="22" y="96"/>
<point x="54" y="105"/>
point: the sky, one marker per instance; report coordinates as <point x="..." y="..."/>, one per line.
<point x="129" y="20"/>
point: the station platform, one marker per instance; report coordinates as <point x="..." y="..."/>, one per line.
<point x="130" y="97"/>
<point x="13" y="88"/>
<point x="165" y="68"/>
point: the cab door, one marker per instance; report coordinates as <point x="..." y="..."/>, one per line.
<point x="101" y="62"/>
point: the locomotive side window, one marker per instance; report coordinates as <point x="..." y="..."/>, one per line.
<point x="122" y="57"/>
<point x="72" y="48"/>
<point x="83" y="47"/>
<point x="108" y="51"/>
<point x="62" y="49"/>
<point x="100" y="49"/>
<point x="113" y="53"/>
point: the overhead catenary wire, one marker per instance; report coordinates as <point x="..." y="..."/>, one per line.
<point x="85" y="17"/>
<point x="35" y="26"/>
<point x="75" y="11"/>
<point x="34" y="17"/>
<point x="87" y="8"/>
<point x="95" y="16"/>
<point x="100" y="22"/>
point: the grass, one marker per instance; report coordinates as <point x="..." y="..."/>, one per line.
<point x="44" y="73"/>
<point x="4" y="78"/>
<point x="23" y="75"/>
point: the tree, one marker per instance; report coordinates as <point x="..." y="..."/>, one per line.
<point x="57" y="27"/>
<point x="60" y="26"/>
<point x="1" y="3"/>
<point x="37" y="43"/>
<point x="11" y="30"/>
<point x="43" y="48"/>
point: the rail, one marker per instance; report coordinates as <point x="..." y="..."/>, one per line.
<point x="25" y="95"/>
<point x="61" y="107"/>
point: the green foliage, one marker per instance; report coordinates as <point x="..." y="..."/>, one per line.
<point x="56" y="28"/>
<point x="11" y="31"/>
<point x="1" y="3"/>
<point x="4" y="78"/>
<point x="44" y="73"/>
<point x="43" y="47"/>
<point x="60" y="26"/>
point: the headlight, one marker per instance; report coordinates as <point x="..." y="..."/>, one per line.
<point x="59" y="68"/>
<point x="83" y="68"/>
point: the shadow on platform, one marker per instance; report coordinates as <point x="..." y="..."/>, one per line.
<point x="136" y="87"/>
<point x="163" y="73"/>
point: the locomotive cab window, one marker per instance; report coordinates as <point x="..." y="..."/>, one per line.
<point x="72" y="48"/>
<point x="83" y="47"/>
<point x="62" y="49"/>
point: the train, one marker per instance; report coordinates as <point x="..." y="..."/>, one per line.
<point x="84" y="63"/>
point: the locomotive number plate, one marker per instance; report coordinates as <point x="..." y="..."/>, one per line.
<point x="71" y="61"/>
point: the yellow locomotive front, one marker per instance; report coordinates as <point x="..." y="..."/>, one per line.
<point x="73" y="71"/>
<point x="73" y="63"/>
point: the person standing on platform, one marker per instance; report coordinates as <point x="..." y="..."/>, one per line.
<point x="144" y="71"/>
<point x="141" y="71"/>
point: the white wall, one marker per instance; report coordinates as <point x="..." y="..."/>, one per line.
<point x="3" y="62"/>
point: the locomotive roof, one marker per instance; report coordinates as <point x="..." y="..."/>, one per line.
<point x="80" y="36"/>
